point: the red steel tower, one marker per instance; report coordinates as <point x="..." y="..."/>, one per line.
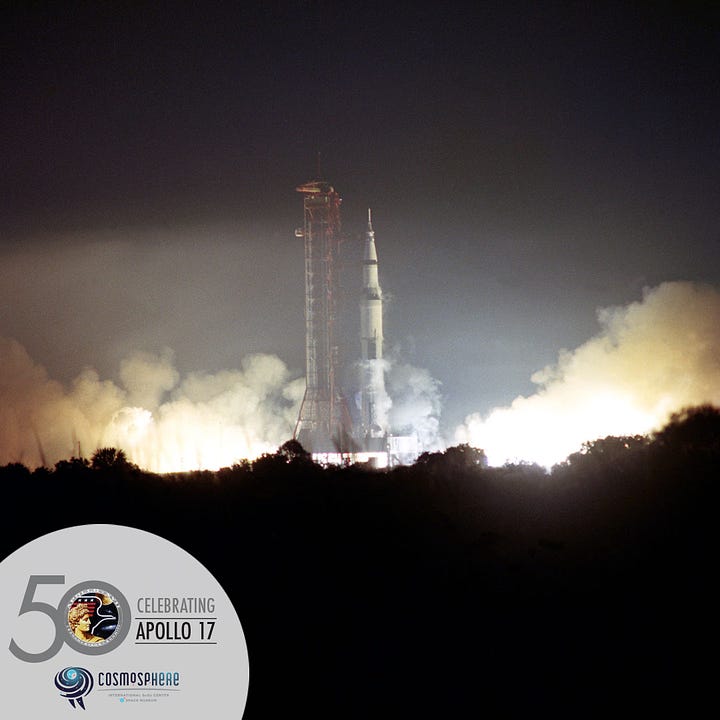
<point x="323" y="423"/>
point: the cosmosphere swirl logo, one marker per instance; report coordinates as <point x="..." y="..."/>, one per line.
<point x="74" y="683"/>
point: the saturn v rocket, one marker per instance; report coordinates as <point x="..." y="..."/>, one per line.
<point x="375" y="401"/>
<point x="324" y="422"/>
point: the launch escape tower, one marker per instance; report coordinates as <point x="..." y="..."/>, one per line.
<point x="323" y="423"/>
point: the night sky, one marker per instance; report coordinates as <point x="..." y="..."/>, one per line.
<point x="526" y="163"/>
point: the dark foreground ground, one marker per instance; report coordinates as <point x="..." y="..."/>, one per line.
<point x="447" y="589"/>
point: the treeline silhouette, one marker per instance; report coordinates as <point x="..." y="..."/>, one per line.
<point x="445" y="589"/>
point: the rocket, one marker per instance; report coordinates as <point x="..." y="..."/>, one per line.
<point x="375" y="402"/>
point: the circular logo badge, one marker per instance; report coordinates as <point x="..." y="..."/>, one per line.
<point x="93" y="616"/>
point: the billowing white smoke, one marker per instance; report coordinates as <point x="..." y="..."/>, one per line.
<point x="372" y="377"/>
<point x="651" y="358"/>
<point x="162" y="423"/>
<point x="416" y="404"/>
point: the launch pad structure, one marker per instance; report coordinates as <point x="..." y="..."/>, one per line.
<point x="324" y="426"/>
<point x="323" y="423"/>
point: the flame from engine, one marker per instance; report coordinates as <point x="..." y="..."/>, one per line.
<point x="650" y="359"/>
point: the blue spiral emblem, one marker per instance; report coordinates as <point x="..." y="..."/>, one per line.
<point x="74" y="683"/>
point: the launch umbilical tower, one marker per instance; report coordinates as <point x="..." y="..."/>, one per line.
<point x="323" y="423"/>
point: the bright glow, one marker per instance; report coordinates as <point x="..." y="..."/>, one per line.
<point x="162" y="423"/>
<point x="184" y="439"/>
<point x="327" y="459"/>
<point x="165" y="423"/>
<point x="652" y="358"/>
<point x="210" y="421"/>
<point x="522" y="433"/>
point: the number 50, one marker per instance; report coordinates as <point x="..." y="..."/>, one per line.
<point x="58" y="616"/>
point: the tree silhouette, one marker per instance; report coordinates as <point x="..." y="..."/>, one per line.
<point x="109" y="458"/>
<point x="692" y="430"/>
<point x="73" y="466"/>
<point x="16" y="472"/>
<point x="294" y="452"/>
<point x="505" y="558"/>
<point x="458" y="457"/>
<point x="465" y="456"/>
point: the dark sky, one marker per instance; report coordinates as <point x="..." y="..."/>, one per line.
<point x="525" y="162"/>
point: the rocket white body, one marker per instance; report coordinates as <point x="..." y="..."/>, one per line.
<point x="375" y="401"/>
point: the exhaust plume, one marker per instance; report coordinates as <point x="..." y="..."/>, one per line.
<point x="162" y="423"/>
<point x="416" y="404"/>
<point x="651" y="358"/>
<point x="165" y="423"/>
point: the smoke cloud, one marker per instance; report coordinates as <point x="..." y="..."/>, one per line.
<point x="651" y="358"/>
<point x="168" y="423"/>
<point x="163" y="423"/>
<point x="416" y="404"/>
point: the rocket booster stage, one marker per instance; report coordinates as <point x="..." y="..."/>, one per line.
<point x="374" y="398"/>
